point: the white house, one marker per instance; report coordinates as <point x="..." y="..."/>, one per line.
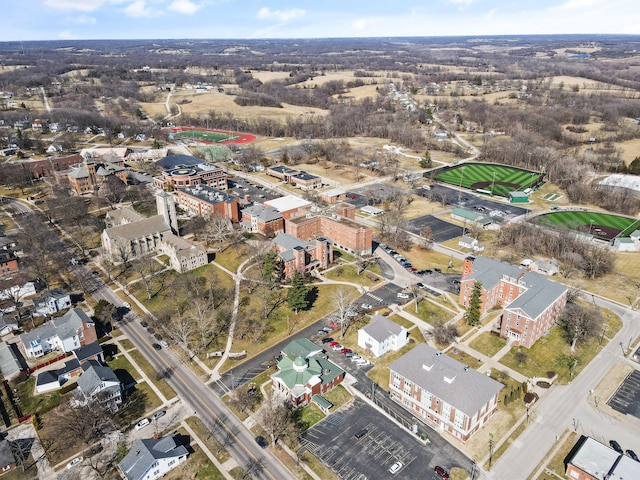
<point x="66" y="333"/>
<point x="382" y="335"/>
<point x="149" y="458"/>
<point x="471" y="243"/>
<point x="98" y="381"/>
<point x="52" y="302"/>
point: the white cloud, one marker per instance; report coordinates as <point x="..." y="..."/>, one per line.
<point x="280" y="15"/>
<point x="82" y="5"/>
<point x="67" y="35"/>
<point x="82" y="19"/>
<point x="581" y="4"/>
<point x="139" y="8"/>
<point x="184" y="6"/>
<point x="461" y="4"/>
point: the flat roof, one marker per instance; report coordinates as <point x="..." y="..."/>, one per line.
<point x="288" y="202"/>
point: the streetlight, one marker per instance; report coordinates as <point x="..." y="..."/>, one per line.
<point x="590" y="226"/>
<point x="461" y="178"/>
<point x="493" y="184"/>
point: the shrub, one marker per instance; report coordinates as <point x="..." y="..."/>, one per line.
<point x="542" y="384"/>
<point x="68" y="388"/>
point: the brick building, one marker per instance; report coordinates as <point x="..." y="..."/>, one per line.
<point x="207" y="201"/>
<point x="443" y="392"/>
<point x="343" y="232"/>
<point x="8" y="261"/>
<point x="290" y="206"/>
<point x="531" y="303"/>
<point x="301" y="256"/>
<point x="591" y="460"/>
<point x="262" y="219"/>
<point x="186" y="171"/>
<point x="297" y="178"/>
<point x="89" y="176"/>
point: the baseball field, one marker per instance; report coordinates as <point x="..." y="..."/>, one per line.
<point x="490" y="178"/>
<point x="605" y="226"/>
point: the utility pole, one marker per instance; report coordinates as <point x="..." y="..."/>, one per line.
<point x="490" y="449"/>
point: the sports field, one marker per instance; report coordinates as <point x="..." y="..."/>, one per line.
<point x="494" y="179"/>
<point x="605" y="226"/>
<point x="209" y="136"/>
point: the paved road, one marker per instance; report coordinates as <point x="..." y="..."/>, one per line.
<point x="199" y="397"/>
<point x="556" y="411"/>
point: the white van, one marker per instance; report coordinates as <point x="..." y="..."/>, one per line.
<point x="142" y="423"/>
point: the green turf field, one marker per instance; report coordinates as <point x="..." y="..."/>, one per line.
<point x="574" y="220"/>
<point x="507" y="179"/>
<point x="206" y="136"/>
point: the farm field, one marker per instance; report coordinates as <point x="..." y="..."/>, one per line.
<point x="601" y="225"/>
<point x="492" y="178"/>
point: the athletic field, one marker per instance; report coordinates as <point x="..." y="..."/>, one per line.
<point x="605" y="226"/>
<point x="209" y="136"/>
<point x="492" y="179"/>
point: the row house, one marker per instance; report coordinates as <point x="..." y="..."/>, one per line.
<point x="443" y="392"/>
<point x="531" y="302"/>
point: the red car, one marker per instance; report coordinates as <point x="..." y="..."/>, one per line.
<point x="333" y="344"/>
<point x="345" y="350"/>
<point x="441" y="472"/>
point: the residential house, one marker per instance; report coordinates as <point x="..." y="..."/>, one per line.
<point x="304" y="371"/>
<point x="10" y="365"/>
<point x="152" y="458"/>
<point x="531" y="303"/>
<point x="298" y="255"/>
<point x="262" y="219"/>
<point x="7" y="460"/>
<point x="66" y="333"/>
<point x="100" y="382"/>
<point x="591" y="460"/>
<point x="8" y="324"/>
<point x="49" y="380"/>
<point x="545" y="267"/>
<point x="443" y="392"/>
<point x="51" y="302"/>
<point x="8" y="261"/>
<point x="470" y="243"/>
<point x="382" y="335"/>
<point x="207" y="202"/>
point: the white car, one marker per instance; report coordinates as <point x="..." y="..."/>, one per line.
<point x="403" y="295"/>
<point x="337" y="347"/>
<point x="164" y="344"/>
<point x="363" y="362"/>
<point x="395" y="468"/>
<point x="74" y="462"/>
<point x="127" y="305"/>
<point x="142" y="423"/>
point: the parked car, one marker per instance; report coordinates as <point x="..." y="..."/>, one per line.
<point x="616" y="446"/>
<point x="142" y="423"/>
<point x="74" y="462"/>
<point x="395" y="468"/>
<point x="428" y="271"/>
<point x="158" y="414"/>
<point x="164" y="344"/>
<point x="333" y="343"/>
<point x="437" y="270"/>
<point x="349" y="354"/>
<point x="337" y="347"/>
<point x="355" y="357"/>
<point x="402" y="295"/>
<point x="260" y="440"/>
<point x="363" y="362"/>
<point x="156" y="346"/>
<point x="327" y="340"/>
<point x="361" y="433"/>
<point x="455" y="281"/>
<point x="321" y="332"/>
<point x="327" y="328"/>
<point x="441" y="472"/>
<point x="421" y="285"/>
<point x="127" y="305"/>
<point x="366" y="306"/>
<point x="344" y="351"/>
<point x="632" y="454"/>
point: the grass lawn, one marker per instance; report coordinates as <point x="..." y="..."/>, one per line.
<point x="205" y="135"/>
<point x="348" y="273"/>
<point x="32" y="403"/>
<point x="153" y="401"/>
<point x="126" y="344"/>
<point x="544" y="356"/>
<point x="146" y="367"/>
<point x="231" y="258"/>
<point x="317" y="466"/>
<point x="122" y="363"/>
<point x="338" y="396"/>
<point x="197" y="465"/>
<point x="214" y="446"/>
<point x="408" y="324"/>
<point x="380" y="371"/>
<point x="488" y="344"/>
<point x="311" y="415"/>
<point x="574" y="219"/>
<point x="430" y="312"/>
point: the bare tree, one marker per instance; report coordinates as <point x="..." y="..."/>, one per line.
<point x="444" y="333"/>
<point x="426" y="238"/>
<point x="217" y="230"/>
<point x="581" y="322"/>
<point x="148" y="269"/>
<point x="275" y="416"/>
<point x="346" y="309"/>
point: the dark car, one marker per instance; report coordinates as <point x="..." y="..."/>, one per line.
<point x="260" y="440"/>
<point x="361" y="433"/>
<point x="327" y="340"/>
<point x="156" y="346"/>
<point x="616" y="446"/>
<point x="455" y="281"/>
<point x="437" y="270"/>
<point x="441" y="472"/>
<point x="632" y="454"/>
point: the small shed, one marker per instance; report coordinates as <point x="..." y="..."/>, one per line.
<point x="370" y="210"/>
<point x="518" y="197"/>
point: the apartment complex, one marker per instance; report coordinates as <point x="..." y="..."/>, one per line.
<point x="443" y="392"/>
<point x="90" y="175"/>
<point x="531" y="302"/>
<point x="262" y="219"/>
<point x="297" y="178"/>
<point x="343" y="232"/>
<point x="208" y="202"/>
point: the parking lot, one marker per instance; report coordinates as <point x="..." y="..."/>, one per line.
<point x="385" y="295"/>
<point x="441" y="231"/>
<point x="470" y="200"/>
<point x="381" y="443"/>
<point x="627" y="398"/>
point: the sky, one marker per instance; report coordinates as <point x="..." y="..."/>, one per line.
<point x="257" y="19"/>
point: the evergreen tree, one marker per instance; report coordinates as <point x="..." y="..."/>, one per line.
<point x="425" y="162"/>
<point x="472" y="316"/>
<point x="297" y="296"/>
<point x="271" y="268"/>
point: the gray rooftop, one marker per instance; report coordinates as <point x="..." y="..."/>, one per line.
<point x="380" y="328"/>
<point x="87" y="351"/>
<point x="93" y="375"/>
<point x="64" y="327"/>
<point x="453" y="382"/>
<point x="266" y="214"/>
<point x="209" y="194"/>
<point x="602" y="462"/>
<point x="145" y="452"/>
<point x="123" y="215"/>
<point x="9" y="364"/>
<point x="173" y="161"/>
<point x="6" y="455"/>
<point x="288" y="241"/>
<point x="141" y="228"/>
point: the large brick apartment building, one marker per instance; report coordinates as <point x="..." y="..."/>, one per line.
<point x="343" y="232"/>
<point x="186" y="171"/>
<point x="207" y="202"/>
<point x="531" y="303"/>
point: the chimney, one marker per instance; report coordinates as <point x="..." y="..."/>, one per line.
<point x="155" y="436"/>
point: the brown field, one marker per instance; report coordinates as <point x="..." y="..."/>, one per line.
<point x="358" y="93"/>
<point x="630" y="150"/>
<point x="269" y="76"/>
